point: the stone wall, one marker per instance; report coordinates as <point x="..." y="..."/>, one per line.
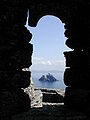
<point x="16" y="51"/>
<point x="77" y="73"/>
<point x="15" y="54"/>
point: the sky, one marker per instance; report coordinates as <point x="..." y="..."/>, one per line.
<point x="48" y="44"/>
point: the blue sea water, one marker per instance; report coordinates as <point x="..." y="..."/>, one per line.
<point x="51" y="85"/>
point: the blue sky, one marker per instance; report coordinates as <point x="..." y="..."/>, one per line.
<point x="49" y="44"/>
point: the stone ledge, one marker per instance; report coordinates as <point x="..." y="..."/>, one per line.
<point x="51" y="112"/>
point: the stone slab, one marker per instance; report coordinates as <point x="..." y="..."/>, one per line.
<point x="11" y="59"/>
<point x="13" y="102"/>
<point x="77" y="99"/>
<point x="77" y="78"/>
<point x="77" y="59"/>
<point x="14" y="79"/>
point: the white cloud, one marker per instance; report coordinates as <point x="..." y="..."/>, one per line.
<point x="42" y="61"/>
<point x="38" y="58"/>
<point x="49" y="62"/>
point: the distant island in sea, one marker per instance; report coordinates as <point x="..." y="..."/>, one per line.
<point x="48" y="78"/>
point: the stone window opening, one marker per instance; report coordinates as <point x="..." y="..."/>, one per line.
<point x="60" y="62"/>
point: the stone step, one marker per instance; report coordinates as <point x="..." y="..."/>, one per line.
<point x="52" y="97"/>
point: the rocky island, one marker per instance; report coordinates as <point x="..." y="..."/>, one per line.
<point x="48" y="78"/>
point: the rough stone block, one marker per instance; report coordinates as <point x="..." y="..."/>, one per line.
<point x="13" y="102"/>
<point x="18" y="37"/>
<point x="76" y="33"/>
<point x="12" y="13"/>
<point x="77" y="59"/>
<point x="10" y="59"/>
<point x="77" y="78"/>
<point x="14" y="79"/>
<point x="73" y="43"/>
<point x="77" y="98"/>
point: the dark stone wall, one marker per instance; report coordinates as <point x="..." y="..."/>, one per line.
<point x="15" y="54"/>
<point x="16" y="51"/>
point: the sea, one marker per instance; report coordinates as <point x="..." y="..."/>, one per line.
<point x="59" y="84"/>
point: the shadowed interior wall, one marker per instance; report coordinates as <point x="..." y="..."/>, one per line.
<point x="15" y="54"/>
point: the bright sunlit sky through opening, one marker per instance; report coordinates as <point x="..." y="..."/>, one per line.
<point x="48" y="41"/>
